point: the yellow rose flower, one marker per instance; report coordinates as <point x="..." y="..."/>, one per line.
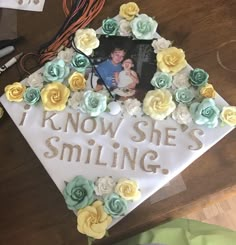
<point x="158" y="104"/>
<point x="54" y="96"/>
<point x="128" y="189"/>
<point x="77" y="81"/>
<point x="208" y="91"/>
<point x="93" y="220"/>
<point x="228" y="115"/>
<point x="129" y="10"/>
<point x="171" y="60"/>
<point x="15" y="92"/>
<point x="86" y="40"/>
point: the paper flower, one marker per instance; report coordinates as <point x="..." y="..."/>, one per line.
<point x="114" y="205"/>
<point x="184" y="95"/>
<point x="93" y="220"/>
<point x="161" y="80"/>
<point x="158" y="104"/>
<point x="104" y="185"/>
<point x="79" y="193"/>
<point x="66" y="54"/>
<point x="208" y="91"/>
<point x="133" y="107"/>
<point x="124" y="28"/>
<point x="79" y="62"/>
<point x="54" y="96"/>
<point x="15" y="92"/>
<point x="228" y="115"/>
<point x="181" y="114"/>
<point x="55" y="70"/>
<point x="75" y="100"/>
<point x="143" y="27"/>
<point x="77" y="81"/>
<point x="205" y="113"/>
<point x="181" y="80"/>
<point x="198" y="77"/>
<point x="31" y="95"/>
<point x="160" y="44"/>
<point x="35" y="80"/>
<point x="93" y="103"/>
<point x="129" y="10"/>
<point x="86" y="40"/>
<point x="171" y="60"/>
<point x="110" y="27"/>
<point x="127" y="189"/>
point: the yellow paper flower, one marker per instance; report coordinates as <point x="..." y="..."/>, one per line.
<point x="77" y="81"/>
<point x="54" y="96"/>
<point x="171" y="60"/>
<point x="158" y="104"/>
<point x="15" y="92"/>
<point x="228" y="115"/>
<point x="208" y="91"/>
<point x="93" y="220"/>
<point x="128" y="189"/>
<point x="86" y="40"/>
<point x="129" y="10"/>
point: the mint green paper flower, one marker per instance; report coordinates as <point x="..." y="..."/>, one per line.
<point x="110" y="27"/>
<point x="143" y="27"/>
<point x="205" y="113"/>
<point x="55" y="71"/>
<point x="31" y="95"/>
<point x="115" y="205"/>
<point x="79" y="62"/>
<point x="184" y="95"/>
<point x="79" y="193"/>
<point x="93" y="103"/>
<point x="161" y="80"/>
<point x="198" y="77"/>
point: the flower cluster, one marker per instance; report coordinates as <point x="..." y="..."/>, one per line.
<point x="97" y="203"/>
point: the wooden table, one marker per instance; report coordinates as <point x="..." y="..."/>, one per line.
<point x="32" y="210"/>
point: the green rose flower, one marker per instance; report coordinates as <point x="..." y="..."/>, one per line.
<point x="198" y="77"/>
<point x="79" y="62"/>
<point x="93" y="103"/>
<point x="55" y="71"/>
<point x="79" y="193"/>
<point x="31" y="95"/>
<point x="205" y="113"/>
<point x="143" y="27"/>
<point x="115" y="205"/>
<point x="184" y="95"/>
<point x="161" y="80"/>
<point x="110" y="27"/>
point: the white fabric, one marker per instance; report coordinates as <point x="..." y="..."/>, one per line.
<point x="30" y="5"/>
<point x="124" y="80"/>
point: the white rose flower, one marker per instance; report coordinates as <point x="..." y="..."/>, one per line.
<point x="181" y="114"/>
<point x="181" y="80"/>
<point x="66" y="54"/>
<point x="133" y="107"/>
<point x="125" y="28"/>
<point x="86" y="40"/>
<point x="160" y="44"/>
<point x="35" y="80"/>
<point x="104" y="185"/>
<point x="75" y="100"/>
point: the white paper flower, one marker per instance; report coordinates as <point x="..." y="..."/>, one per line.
<point x="66" y="54"/>
<point x="181" y="114"/>
<point x="125" y="28"/>
<point x="35" y="80"/>
<point x="104" y="185"/>
<point x="75" y="100"/>
<point x="160" y="44"/>
<point x="181" y="80"/>
<point x="133" y="107"/>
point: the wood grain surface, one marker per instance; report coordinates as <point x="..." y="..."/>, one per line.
<point x="33" y="211"/>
